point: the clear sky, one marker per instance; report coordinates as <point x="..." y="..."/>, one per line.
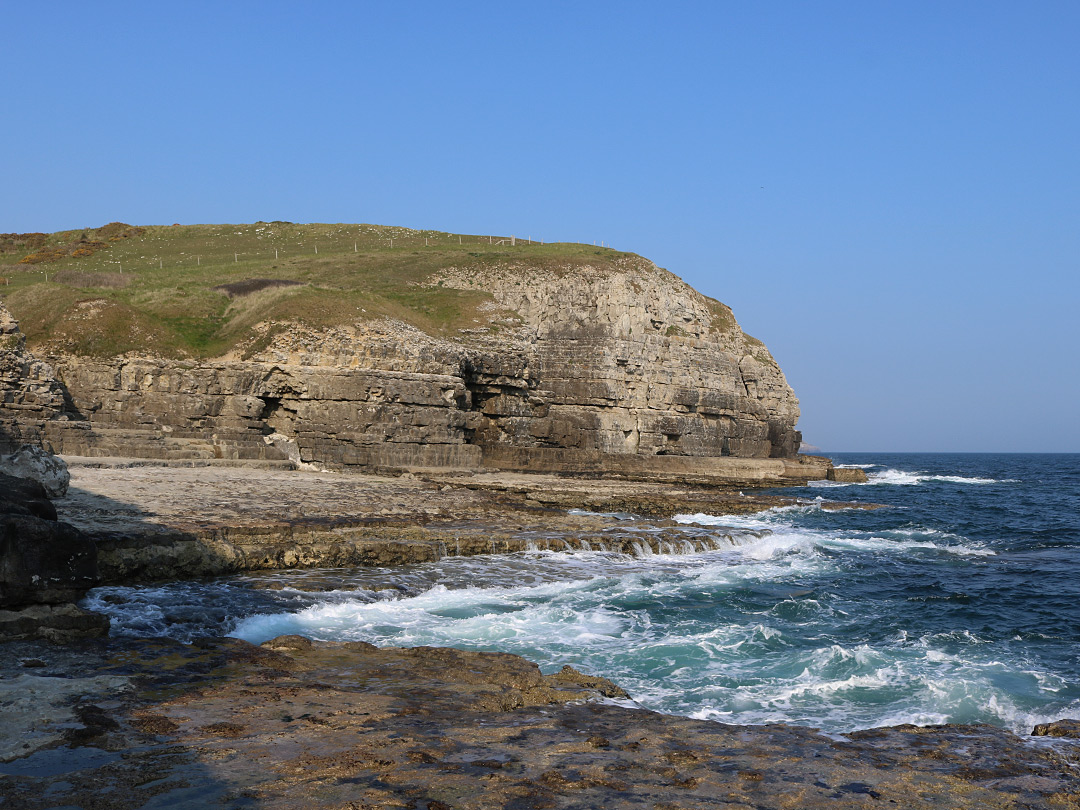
<point x="887" y="193"/>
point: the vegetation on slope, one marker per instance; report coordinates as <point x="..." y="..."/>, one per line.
<point x="197" y="290"/>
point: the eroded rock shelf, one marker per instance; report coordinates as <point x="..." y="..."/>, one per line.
<point x="299" y="724"/>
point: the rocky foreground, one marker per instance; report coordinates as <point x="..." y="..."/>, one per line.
<point x="295" y="724"/>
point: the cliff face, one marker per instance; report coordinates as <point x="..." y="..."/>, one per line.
<point x="29" y="392"/>
<point x="631" y="362"/>
<point x="45" y="565"/>
<point x="589" y="368"/>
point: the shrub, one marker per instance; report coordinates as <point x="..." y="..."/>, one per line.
<point x="84" y="247"/>
<point x="19" y="242"/>
<point x="248" y="286"/>
<point x="116" y="231"/>
<point x="78" y="278"/>
<point x="50" y="255"/>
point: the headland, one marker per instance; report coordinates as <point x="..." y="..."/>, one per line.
<point x="242" y="398"/>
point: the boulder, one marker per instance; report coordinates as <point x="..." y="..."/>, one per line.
<point x="57" y="623"/>
<point x="44" y="561"/>
<point x="22" y="496"/>
<point x="1059" y="728"/>
<point x="45" y="567"/>
<point x="847" y="475"/>
<point x="38" y="465"/>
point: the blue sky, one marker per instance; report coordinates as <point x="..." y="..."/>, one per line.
<point x="887" y="193"/>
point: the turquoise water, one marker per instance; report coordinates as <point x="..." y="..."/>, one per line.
<point x="959" y="603"/>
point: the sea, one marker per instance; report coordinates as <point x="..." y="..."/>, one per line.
<point x="957" y="603"/>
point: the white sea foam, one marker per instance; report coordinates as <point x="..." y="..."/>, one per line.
<point x="833" y="690"/>
<point x="785" y="536"/>
<point x="766" y="520"/>
<point x="781" y="622"/>
<point x="611" y="613"/>
<point x="893" y="477"/>
<point x="740" y="672"/>
<point x="906" y="478"/>
<point x="964" y="479"/>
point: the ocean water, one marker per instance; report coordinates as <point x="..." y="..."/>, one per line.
<point x="958" y="603"/>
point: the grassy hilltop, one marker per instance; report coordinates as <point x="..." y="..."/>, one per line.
<point x="176" y="291"/>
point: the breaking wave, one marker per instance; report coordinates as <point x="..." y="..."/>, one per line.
<point x="959" y="604"/>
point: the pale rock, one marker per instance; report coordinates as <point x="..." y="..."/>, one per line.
<point x="30" y="461"/>
<point x="599" y="369"/>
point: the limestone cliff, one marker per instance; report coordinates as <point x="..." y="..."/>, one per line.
<point x="29" y="392"/>
<point x="45" y="565"/>
<point x="619" y="368"/>
<point x="629" y="361"/>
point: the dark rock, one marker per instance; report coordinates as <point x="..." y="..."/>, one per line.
<point x="602" y="685"/>
<point x="291" y="642"/>
<point x="1059" y="728"/>
<point x="61" y="623"/>
<point x="346" y="726"/>
<point x="22" y="496"/>
<point x="45" y="566"/>
<point x="43" y="561"/>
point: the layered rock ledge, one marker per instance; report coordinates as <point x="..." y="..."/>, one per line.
<point x="152" y="521"/>
<point x="294" y="723"/>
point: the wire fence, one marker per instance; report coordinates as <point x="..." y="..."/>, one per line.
<point x="218" y="254"/>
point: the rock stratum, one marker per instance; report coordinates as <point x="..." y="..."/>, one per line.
<point x="620" y="368"/>
<point x="30" y="395"/>
<point x="292" y="723"/>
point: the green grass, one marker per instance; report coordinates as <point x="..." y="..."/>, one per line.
<point x="154" y="287"/>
